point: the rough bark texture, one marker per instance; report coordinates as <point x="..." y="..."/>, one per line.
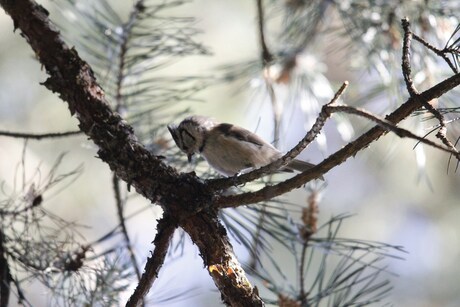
<point x="187" y="201"/>
<point x="210" y="236"/>
<point x="165" y="231"/>
<point x="179" y="194"/>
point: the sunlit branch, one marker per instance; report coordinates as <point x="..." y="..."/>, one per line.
<point x="340" y="156"/>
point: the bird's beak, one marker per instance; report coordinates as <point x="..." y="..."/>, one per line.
<point x="189" y="157"/>
<point x="172" y="128"/>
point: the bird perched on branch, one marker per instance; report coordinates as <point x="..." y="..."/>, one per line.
<point x="227" y="148"/>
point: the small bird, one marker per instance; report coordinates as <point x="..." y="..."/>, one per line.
<point x="227" y="148"/>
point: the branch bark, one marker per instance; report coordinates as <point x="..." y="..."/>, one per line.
<point x="165" y="231"/>
<point x="210" y="236"/>
<point x="73" y="79"/>
<point x="340" y="156"/>
<point x="406" y="68"/>
<point x="224" y="183"/>
<point x="120" y="204"/>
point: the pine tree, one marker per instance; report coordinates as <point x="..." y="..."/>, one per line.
<point x="122" y="84"/>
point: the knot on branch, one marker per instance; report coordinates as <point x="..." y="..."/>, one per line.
<point x="191" y="196"/>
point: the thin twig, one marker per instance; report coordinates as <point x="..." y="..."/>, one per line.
<point x="125" y="36"/>
<point x="165" y="231"/>
<point x="267" y="57"/>
<point x="391" y="127"/>
<point x="405" y="61"/>
<point x="38" y="136"/>
<point x="413" y="92"/>
<point x="302" y="292"/>
<point x="20" y="293"/>
<point x="218" y="184"/>
<point x="266" y="60"/>
<point x="308" y="227"/>
<point x="73" y="79"/>
<point x="340" y="156"/>
<point x="119" y="202"/>
<point x="438" y="52"/>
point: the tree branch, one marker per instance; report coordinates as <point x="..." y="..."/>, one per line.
<point x="120" y="104"/>
<point x="121" y="219"/>
<point x="414" y="93"/>
<point x="210" y="236"/>
<point x="391" y="127"/>
<point x="39" y="136"/>
<point x="165" y="231"/>
<point x="340" y="156"/>
<point x="127" y="27"/>
<point x="223" y="183"/>
<point x="267" y="57"/>
<point x="437" y="51"/>
<point x="73" y="79"/>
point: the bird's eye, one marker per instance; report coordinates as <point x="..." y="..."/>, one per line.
<point x="188" y="140"/>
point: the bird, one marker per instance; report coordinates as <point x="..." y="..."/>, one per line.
<point x="229" y="149"/>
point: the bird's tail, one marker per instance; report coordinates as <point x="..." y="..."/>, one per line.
<point x="300" y="166"/>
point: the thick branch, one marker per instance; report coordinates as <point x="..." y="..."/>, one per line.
<point x="350" y="150"/>
<point x="73" y="79"/>
<point x="165" y="231"/>
<point x="211" y="238"/>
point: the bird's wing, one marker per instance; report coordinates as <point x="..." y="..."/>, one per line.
<point x="241" y="134"/>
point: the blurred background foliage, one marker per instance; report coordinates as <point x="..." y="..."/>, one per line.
<point x="159" y="61"/>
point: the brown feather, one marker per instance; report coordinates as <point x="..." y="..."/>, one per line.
<point x="241" y="134"/>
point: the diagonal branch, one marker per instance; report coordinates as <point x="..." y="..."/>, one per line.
<point x="437" y="51"/>
<point x="165" y="231"/>
<point x="340" y="156"/>
<point x="73" y="79"/>
<point x="120" y="203"/>
<point x="414" y="93"/>
<point x="223" y="183"/>
<point x="403" y="133"/>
